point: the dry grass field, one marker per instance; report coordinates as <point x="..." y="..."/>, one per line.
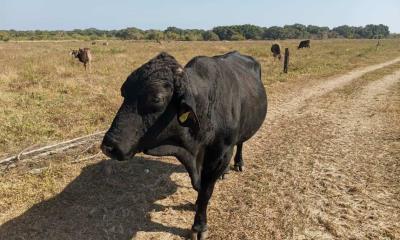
<point x="325" y="165"/>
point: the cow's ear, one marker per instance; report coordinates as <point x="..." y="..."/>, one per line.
<point x="187" y="116"/>
<point x="186" y="104"/>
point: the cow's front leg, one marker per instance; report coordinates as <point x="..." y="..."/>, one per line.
<point x="212" y="170"/>
<point x="192" y="167"/>
<point x="194" y="177"/>
<point x="199" y="228"/>
<point x="188" y="160"/>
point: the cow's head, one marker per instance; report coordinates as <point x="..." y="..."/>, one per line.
<point x="158" y="108"/>
<point x="74" y="53"/>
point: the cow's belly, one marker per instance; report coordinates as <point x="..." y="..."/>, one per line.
<point x="252" y="117"/>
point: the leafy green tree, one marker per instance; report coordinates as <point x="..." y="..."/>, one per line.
<point x="172" y="36"/>
<point x="237" y="37"/>
<point x="344" y="31"/>
<point x="154" y="35"/>
<point x="175" y="30"/>
<point x="194" y="35"/>
<point x="376" y="31"/>
<point x="317" y="32"/>
<point x="246" y="31"/>
<point x="273" y="33"/>
<point x="210" y="36"/>
<point x="249" y="31"/>
<point x="130" y="34"/>
<point x="223" y="32"/>
<point x="234" y="32"/>
<point x="295" y="31"/>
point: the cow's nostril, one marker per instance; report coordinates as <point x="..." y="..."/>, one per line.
<point x="107" y="150"/>
<point x="107" y="146"/>
<point x="111" y="148"/>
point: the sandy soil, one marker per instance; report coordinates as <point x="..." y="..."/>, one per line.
<point x="325" y="165"/>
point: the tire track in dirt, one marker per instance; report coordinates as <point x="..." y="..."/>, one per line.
<point x="296" y="99"/>
<point x="238" y="197"/>
<point x="360" y="178"/>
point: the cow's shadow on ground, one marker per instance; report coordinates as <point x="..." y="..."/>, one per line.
<point x="100" y="206"/>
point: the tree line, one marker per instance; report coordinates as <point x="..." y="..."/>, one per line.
<point x="231" y="33"/>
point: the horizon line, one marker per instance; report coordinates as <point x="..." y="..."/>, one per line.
<point x="149" y="29"/>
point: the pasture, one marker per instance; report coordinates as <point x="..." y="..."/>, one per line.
<point x="325" y="165"/>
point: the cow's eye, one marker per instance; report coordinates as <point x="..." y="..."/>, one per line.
<point x="167" y="85"/>
<point x="151" y="104"/>
<point x="156" y="99"/>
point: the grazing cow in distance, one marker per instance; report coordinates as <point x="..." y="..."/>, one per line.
<point x="276" y="50"/>
<point x="198" y="114"/>
<point x="304" y="44"/>
<point x="105" y="43"/>
<point x="378" y="44"/>
<point x="84" y="56"/>
<point x="93" y="43"/>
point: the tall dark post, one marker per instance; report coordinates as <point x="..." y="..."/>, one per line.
<point x="286" y="61"/>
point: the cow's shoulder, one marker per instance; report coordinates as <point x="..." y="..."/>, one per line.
<point x="199" y="61"/>
<point x="203" y="66"/>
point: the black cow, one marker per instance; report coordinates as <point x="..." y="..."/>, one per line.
<point x="197" y="114"/>
<point x="276" y="50"/>
<point x="304" y="44"/>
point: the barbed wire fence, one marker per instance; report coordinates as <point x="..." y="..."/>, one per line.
<point x="34" y="153"/>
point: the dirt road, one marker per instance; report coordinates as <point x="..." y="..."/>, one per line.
<point x="325" y="165"/>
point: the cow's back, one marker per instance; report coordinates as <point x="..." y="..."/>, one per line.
<point x="84" y="55"/>
<point x="232" y="84"/>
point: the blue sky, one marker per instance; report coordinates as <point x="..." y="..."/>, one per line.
<point x="205" y="14"/>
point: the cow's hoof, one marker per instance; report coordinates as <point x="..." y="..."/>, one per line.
<point x="238" y="168"/>
<point x="199" y="235"/>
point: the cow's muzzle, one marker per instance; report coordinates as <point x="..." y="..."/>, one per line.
<point x="110" y="148"/>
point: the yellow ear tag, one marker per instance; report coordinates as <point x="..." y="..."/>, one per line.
<point x="183" y="117"/>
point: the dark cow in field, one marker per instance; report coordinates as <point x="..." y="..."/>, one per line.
<point x="198" y="114"/>
<point x="84" y="56"/>
<point x="276" y="51"/>
<point x="378" y="44"/>
<point x="304" y="44"/>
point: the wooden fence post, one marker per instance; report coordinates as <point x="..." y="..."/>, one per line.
<point x="286" y="61"/>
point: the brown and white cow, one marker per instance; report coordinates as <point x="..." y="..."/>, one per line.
<point x="84" y="56"/>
